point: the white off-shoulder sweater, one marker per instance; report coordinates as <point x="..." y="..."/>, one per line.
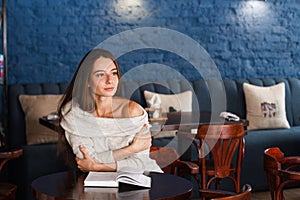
<point x="100" y="136"/>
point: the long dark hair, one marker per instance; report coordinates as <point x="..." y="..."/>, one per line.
<point x="79" y="92"/>
<point x="78" y="89"/>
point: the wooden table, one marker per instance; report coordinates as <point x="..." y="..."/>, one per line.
<point x="192" y="120"/>
<point x="175" y="121"/>
<point x="67" y="185"/>
<point x="183" y="122"/>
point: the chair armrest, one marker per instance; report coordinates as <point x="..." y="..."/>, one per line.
<point x="293" y="175"/>
<point x="11" y="154"/>
<point x="5" y="156"/>
<point x="191" y="167"/>
<point x="292" y="160"/>
<point x="211" y="193"/>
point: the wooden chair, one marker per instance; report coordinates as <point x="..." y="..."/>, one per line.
<point x="279" y="171"/>
<point x="245" y="194"/>
<point x="220" y="155"/>
<point x="8" y="190"/>
<point x="168" y="159"/>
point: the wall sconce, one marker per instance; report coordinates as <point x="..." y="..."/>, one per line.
<point x="131" y="10"/>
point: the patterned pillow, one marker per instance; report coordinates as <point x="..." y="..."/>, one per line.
<point x="265" y="106"/>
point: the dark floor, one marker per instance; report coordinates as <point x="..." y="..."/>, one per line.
<point x="289" y="194"/>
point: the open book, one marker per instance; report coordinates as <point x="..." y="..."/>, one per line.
<point x="112" y="179"/>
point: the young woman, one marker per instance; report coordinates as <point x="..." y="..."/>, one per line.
<point x="105" y="132"/>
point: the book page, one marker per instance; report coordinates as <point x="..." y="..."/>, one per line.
<point x="112" y="179"/>
<point x="101" y="179"/>
<point x="134" y="179"/>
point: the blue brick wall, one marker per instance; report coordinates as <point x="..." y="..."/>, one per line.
<point x="47" y="38"/>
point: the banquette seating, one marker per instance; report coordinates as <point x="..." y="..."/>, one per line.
<point x="41" y="157"/>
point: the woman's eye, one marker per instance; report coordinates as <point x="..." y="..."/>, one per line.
<point x="99" y="74"/>
<point x="115" y="73"/>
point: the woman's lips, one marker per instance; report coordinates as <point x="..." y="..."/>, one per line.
<point x="109" y="89"/>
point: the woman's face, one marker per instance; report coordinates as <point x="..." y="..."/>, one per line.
<point x="104" y="79"/>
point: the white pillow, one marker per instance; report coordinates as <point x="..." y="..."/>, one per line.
<point x="265" y="106"/>
<point x="180" y="102"/>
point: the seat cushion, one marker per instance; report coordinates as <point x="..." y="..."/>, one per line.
<point x="257" y="141"/>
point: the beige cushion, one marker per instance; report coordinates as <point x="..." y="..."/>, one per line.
<point x="180" y="102"/>
<point x="34" y="107"/>
<point x="266" y="106"/>
<point x="163" y="134"/>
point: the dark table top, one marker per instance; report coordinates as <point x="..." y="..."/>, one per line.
<point x="67" y="185"/>
<point x="191" y="120"/>
<point x="175" y="121"/>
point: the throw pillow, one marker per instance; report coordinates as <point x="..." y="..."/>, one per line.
<point x="34" y="107"/>
<point x="163" y="134"/>
<point x="265" y="106"/>
<point x="180" y="102"/>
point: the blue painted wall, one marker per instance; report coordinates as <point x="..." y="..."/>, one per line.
<point x="47" y="38"/>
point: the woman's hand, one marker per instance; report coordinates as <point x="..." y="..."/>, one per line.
<point x="141" y="141"/>
<point x="87" y="163"/>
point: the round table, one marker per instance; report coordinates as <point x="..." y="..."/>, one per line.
<point x="68" y="185"/>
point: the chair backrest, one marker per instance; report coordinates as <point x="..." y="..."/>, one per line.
<point x="279" y="171"/>
<point x="244" y="195"/>
<point x="224" y="142"/>
<point x="272" y="159"/>
<point x="165" y="157"/>
<point x="271" y="167"/>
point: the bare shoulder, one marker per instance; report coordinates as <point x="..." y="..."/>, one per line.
<point x="135" y="109"/>
<point x="127" y="108"/>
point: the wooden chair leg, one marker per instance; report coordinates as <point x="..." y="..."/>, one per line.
<point x="279" y="191"/>
<point x="272" y="185"/>
<point x="218" y="183"/>
<point x="279" y="195"/>
<point x="7" y="191"/>
<point x="197" y="180"/>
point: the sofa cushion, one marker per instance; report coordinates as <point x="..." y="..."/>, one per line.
<point x="34" y="107"/>
<point x="266" y="106"/>
<point x="257" y="141"/>
<point x="294" y="104"/>
<point x="180" y="102"/>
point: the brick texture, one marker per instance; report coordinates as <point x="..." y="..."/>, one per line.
<point x="47" y="38"/>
